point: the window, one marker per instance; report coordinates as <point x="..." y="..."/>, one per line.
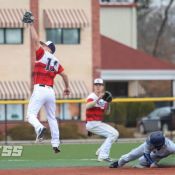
<point x="54" y="35"/>
<point x="105" y="0"/>
<point x="68" y="111"/>
<point x="14" y="112"/>
<point x="63" y="36"/>
<point x="2" y="112"/>
<point x="71" y="36"/>
<point x="11" y="36"/>
<point x="118" y="89"/>
<point x="1" y="36"/>
<point x="11" y="112"/>
<point x="116" y="0"/>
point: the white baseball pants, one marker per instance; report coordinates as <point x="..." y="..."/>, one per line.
<point x="105" y="130"/>
<point x="44" y="96"/>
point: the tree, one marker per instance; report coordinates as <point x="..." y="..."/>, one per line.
<point x="156" y="32"/>
<point x="162" y="27"/>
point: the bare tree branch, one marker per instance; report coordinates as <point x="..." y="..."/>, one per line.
<point x="162" y="28"/>
<point x="142" y="4"/>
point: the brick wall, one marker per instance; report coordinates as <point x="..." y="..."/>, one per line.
<point x="96" y="43"/>
<point x="34" y="7"/>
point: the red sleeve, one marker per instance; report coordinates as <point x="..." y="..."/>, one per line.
<point x="60" y="69"/>
<point x="89" y="100"/>
<point x="39" y="53"/>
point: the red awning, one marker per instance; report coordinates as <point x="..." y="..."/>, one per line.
<point x="11" y="18"/>
<point x="65" y="18"/>
<point x="14" y="90"/>
<point x="78" y="90"/>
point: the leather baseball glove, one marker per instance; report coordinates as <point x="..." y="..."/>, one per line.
<point x="107" y="96"/>
<point x="28" y="18"/>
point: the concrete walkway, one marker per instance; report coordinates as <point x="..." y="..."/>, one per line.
<point x="75" y="141"/>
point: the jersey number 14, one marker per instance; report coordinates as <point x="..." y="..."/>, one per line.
<point x="52" y="65"/>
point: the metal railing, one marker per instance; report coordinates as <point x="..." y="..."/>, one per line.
<point x="115" y="100"/>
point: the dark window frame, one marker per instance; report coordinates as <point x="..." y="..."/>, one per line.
<point x="62" y="39"/>
<point x="5" y="40"/>
<point x="117" y="88"/>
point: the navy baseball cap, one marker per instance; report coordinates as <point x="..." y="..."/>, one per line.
<point x="49" y="44"/>
<point x="157" y="139"/>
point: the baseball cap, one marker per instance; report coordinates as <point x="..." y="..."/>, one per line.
<point x="49" y="44"/>
<point x="98" y="81"/>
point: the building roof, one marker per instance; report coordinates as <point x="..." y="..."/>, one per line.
<point x="116" y="55"/>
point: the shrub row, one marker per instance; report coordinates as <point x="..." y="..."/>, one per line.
<point x="68" y="131"/>
<point x="127" y="114"/>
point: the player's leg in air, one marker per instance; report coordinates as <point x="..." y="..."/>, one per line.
<point x="53" y="123"/>
<point x="35" y="103"/>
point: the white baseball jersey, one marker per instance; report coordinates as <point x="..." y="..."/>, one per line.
<point x="94" y="117"/>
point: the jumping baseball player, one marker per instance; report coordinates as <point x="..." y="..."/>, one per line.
<point x="155" y="148"/>
<point x="96" y="106"/>
<point x="46" y="67"/>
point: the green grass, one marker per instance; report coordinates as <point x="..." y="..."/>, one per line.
<point x="71" y="155"/>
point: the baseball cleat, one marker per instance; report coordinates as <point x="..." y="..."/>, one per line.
<point x="108" y="159"/>
<point x="97" y="152"/>
<point x="56" y="149"/>
<point x="40" y="134"/>
<point x="114" y="164"/>
<point x="140" y="166"/>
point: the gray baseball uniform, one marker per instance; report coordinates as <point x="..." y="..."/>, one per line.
<point x="148" y="149"/>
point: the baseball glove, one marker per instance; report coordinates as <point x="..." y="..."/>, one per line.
<point x="28" y="18"/>
<point x="107" y="96"/>
<point x="89" y="134"/>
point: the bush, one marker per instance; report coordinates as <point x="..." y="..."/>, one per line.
<point x="125" y="132"/>
<point x="127" y="114"/>
<point x="70" y="131"/>
<point x="24" y="132"/>
<point x="1" y="136"/>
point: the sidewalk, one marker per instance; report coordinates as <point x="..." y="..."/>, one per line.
<point x="75" y="141"/>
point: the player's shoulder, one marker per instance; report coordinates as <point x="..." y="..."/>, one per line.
<point x="51" y="56"/>
<point x="169" y="145"/>
<point x="92" y="96"/>
<point x="168" y="141"/>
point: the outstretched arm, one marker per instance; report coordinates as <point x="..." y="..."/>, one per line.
<point x="34" y="36"/>
<point x="66" y="82"/>
<point x="28" y="19"/>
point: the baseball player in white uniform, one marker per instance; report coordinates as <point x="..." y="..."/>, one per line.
<point x="155" y="148"/>
<point x="46" y="67"/>
<point x="95" y="109"/>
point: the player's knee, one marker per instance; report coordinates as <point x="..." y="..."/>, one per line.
<point x="115" y="136"/>
<point x="142" y="161"/>
<point x="30" y="117"/>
